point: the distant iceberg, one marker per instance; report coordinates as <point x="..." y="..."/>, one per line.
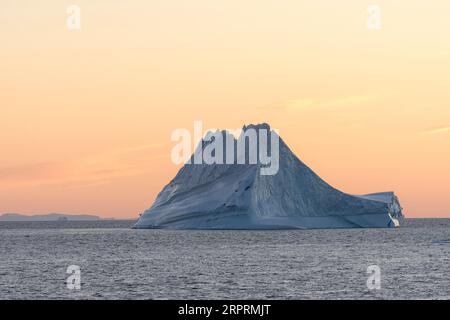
<point x="237" y="196"/>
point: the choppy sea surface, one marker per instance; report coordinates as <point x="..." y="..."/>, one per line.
<point x="117" y="262"/>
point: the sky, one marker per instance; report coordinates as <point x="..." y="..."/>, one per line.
<point x="86" y="115"/>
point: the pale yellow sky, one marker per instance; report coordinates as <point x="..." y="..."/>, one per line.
<point x="86" y="115"/>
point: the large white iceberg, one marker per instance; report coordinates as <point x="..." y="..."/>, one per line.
<point x="237" y="196"/>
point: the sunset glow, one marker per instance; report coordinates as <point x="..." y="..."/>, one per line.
<point x="86" y="115"/>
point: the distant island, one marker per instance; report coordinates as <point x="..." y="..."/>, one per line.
<point x="49" y="217"/>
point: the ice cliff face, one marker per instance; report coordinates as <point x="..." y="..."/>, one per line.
<point x="237" y="196"/>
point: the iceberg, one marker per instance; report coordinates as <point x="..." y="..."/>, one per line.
<point x="238" y="196"/>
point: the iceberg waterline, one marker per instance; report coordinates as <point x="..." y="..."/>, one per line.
<point x="237" y="196"/>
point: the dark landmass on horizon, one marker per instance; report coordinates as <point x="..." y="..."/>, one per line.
<point x="50" y="217"/>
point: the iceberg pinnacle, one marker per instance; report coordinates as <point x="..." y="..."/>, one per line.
<point x="238" y="196"/>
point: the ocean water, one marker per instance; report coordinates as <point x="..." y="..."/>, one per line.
<point x="117" y="262"/>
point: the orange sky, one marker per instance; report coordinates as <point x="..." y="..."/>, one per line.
<point x="86" y="115"/>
